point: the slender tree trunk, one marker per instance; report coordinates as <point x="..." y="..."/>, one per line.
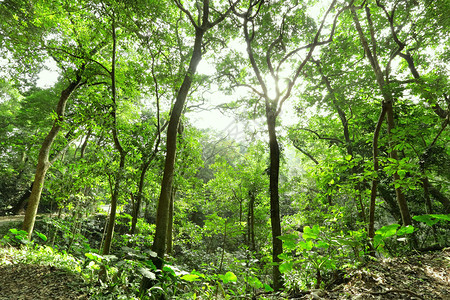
<point x="144" y="169"/>
<point x="85" y="143"/>
<point x="274" y="172"/>
<point x="137" y="203"/>
<point x="113" y="208"/>
<point x="115" y="191"/>
<point x="162" y="211"/>
<point x="162" y="214"/>
<point x="426" y="194"/>
<point x="43" y="159"/>
<point x="251" y="222"/>
<point x="373" y="192"/>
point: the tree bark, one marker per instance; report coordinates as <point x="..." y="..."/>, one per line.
<point x="251" y="222"/>
<point x="274" y="171"/>
<point x="137" y="203"/>
<point x="373" y="192"/>
<point x="43" y="159"/>
<point x="162" y="211"/>
<point x="170" y="223"/>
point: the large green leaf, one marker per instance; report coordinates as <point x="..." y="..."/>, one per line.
<point x="388" y="230"/>
<point x="228" y="277"/>
<point x="190" y="277"/>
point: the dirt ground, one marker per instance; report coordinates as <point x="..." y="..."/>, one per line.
<point x="36" y="282"/>
<point x="423" y="276"/>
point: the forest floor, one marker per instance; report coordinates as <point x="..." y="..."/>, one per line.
<point x="424" y="276"/>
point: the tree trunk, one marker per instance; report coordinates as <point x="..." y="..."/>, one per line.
<point x="426" y="195"/>
<point x="170" y="224"/>
<point x="162" y="213"/>
<point x="401" y="200"/>
<point x="373" y="192"/>
<point x="43" y="159"/>
<point x="115" y="191"/>
<point x="113" y="208"/>
<point x="274" y="171"/>
<point x="251" y="222"/>
<point x="137" y="203"/>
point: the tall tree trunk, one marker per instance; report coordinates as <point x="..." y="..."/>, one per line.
<point x="115" y="191"/>
<point x="162" y="213"/>
<point x="144" y="169"/>
<point x="43" y="159"/>
<point x="373" y="192"/>
<point x="274" y="172"/>
<point x="426" y="194"/>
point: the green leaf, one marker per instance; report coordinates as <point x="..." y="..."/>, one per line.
<point x="289" y="240"/>
<point x="268" y="288"/>
<point x="441" y="217"/>
<point x="388" y="230"/>
<point x="401" y="173"/>
<point x="306" y="245"/>
<point x="228" y="277"/>
<point x="255" y="282"/>
<point x="348" y="157"/>
<point x="286" y="266"/>
<point x="190" y="277"/>
<point x="41" y="235"/>
<point x="405" y="230"/>
<point x="427" y="219"/>
<point x="310" y="233"/>
<point x="147" y="273"/>
<point x="93" y="256"/>
<point x="322" y="244"/>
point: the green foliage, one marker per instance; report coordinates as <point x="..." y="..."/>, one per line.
<point x="432" y="219"/>
<point x="15" y="237"/>
<point x="388" y="239"/>
<point x="317" y="253"/>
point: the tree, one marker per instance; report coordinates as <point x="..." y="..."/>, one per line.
<point x="76" y="68"/>
<point x="201" y="27"/>
<point x="271" y="51"/>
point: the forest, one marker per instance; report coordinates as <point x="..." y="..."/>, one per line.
<point x="240" y="149"/>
